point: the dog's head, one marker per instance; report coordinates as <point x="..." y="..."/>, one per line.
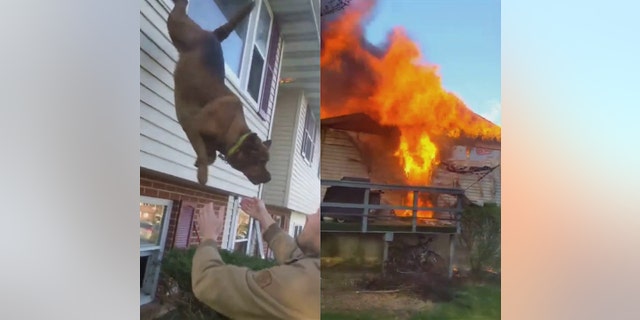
<point x="251" y="159"/>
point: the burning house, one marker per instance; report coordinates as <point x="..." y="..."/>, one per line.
<point x="357" y="148"/>
<point x="387" y="119"/>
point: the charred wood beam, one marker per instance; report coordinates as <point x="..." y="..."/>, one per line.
<point x="333" y="6"/>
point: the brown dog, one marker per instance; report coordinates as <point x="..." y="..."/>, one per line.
<point x="210" y="114"/>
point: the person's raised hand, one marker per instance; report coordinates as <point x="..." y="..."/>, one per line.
<point x="256" y="209"/>
<point x="210" y="222"/>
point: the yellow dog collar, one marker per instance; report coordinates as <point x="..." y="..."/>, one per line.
<point x="237" y="145"/>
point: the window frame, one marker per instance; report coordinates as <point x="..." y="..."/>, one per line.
<point x="154" y="252"/>
<point x="234" y="215"/>
<point x="265" y="55"/>
<point x="309" y="135"/>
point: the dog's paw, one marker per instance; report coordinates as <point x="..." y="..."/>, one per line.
<point x="202" y="175"/>
<point x="210" y="161"/>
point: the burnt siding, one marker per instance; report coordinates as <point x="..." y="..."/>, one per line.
<point x="340" y="157"/>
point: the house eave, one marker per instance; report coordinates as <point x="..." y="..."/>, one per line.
<point x="299" y="22"/>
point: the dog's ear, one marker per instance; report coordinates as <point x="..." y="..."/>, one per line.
<point x="267" y="143"/>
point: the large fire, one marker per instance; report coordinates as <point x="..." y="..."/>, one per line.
<point x="395" y="87"/>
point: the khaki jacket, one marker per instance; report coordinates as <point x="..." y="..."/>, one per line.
<point x="290" y="290"/>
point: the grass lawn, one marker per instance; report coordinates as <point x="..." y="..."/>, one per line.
<point x="474" y="302"/>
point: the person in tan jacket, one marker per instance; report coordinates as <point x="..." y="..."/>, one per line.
<point x="290" y="290"/>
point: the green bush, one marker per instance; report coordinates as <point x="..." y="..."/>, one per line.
<point x="176" y="265"/>
<point x="481" y="236"/>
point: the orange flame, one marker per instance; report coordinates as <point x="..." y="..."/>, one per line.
<point x="421" y="203"/>
<point x="395" y="87"/>
<point x="418" y="156"/>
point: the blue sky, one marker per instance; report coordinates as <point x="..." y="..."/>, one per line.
<point x="462" y="37"/>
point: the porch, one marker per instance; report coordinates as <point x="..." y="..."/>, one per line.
<point x="363" y="212"/>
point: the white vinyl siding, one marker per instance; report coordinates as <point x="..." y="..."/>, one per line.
<point x="304" y="192"/>
<point x="280" y="163"/>
<point x="295" y="183"/>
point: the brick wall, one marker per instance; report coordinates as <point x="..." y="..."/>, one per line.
<point x="182" y="194"/>
<point x="158" y="188"/>
<point x="179" y="194"/>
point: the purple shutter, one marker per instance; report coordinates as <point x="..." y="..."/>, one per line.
<point x="271" y="73"/>
<point x="183" y="226"/>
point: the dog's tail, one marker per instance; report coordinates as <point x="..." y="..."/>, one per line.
<point x="223" y="31"/>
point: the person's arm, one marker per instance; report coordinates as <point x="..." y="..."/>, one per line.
<point x="239" y="293"/>
<point x="236" y="292"/>
<point x="284" y="247"/>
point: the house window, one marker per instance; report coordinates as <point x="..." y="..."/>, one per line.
<point x="270" y="80"/>
<point x="297" y="230"/>
<point x="241" y="231"/>
<point x="309" y="136"/>
<point x="255" y="76"/>
<point x="249" y="50"/>
<point x="154" y="222"/>
<point x="259" y="54"/>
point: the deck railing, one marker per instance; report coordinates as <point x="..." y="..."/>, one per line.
<point x="454" y="211"/>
